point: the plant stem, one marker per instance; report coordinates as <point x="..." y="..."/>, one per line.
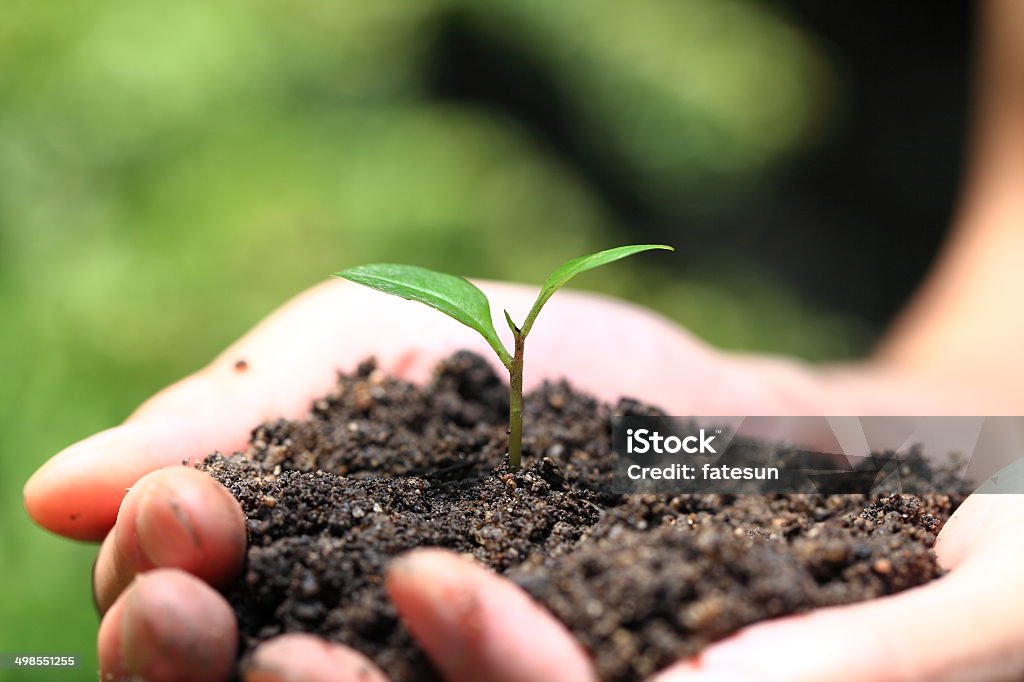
<point x="515" y="404"/>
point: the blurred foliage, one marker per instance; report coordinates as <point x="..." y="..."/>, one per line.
<point x="689" y="96"/>
<point x="170" y="172"/>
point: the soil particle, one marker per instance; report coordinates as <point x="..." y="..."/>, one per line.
<point x="382" y="466"/>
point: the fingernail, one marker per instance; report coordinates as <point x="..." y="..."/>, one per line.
<point x="88" y="452"/>
<point x="62" y="475"/>
<point x="171" y="631"/>
<point x="167" y="535"/>
<point x="409" y="563"/>
<point x="255" y="670"/>
<point x="77" y="492"/>
<point x="135" y="633"/>
<point x="443" y="613"/>
<point x="143" y="652"/>
<point x="401" y="566"/>
<point x="304" y="658"/>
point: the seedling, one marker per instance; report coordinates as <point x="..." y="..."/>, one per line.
<point x="461" y="300"/>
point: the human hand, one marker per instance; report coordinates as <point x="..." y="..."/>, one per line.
<point x="177" y="532"/>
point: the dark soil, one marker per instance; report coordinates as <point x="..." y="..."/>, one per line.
<point x="383" y="466"/>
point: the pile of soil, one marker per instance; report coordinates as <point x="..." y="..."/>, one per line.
<point x="382" y="466"/>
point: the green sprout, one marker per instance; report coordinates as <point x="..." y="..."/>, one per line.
<point x="463" y="301"/>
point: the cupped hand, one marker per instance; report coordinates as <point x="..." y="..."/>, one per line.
<point x="176" y="534"/>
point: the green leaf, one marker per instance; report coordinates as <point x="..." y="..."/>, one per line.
<point x="567" y="271"/>
<point x="453" y="296"/>
<point x="511" y="324"/>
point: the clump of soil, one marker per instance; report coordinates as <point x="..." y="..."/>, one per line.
<point x="382" y="466"/>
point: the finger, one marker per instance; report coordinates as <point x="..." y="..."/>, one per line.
<point x="304" y="658"/>
<point x="965" y="626"/>
<point x="168" y="626"/>
<point x="173" y="518"/>
<point x="476" y="626"/>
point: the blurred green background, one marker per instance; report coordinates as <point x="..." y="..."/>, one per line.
<point x="171" y="172"/>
